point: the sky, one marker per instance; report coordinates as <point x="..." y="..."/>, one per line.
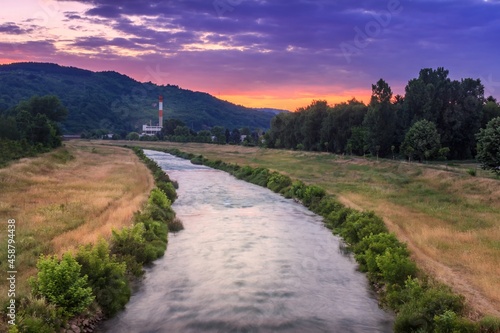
<point x="261" y="53"/>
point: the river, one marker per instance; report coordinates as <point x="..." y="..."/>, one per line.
<point x="248" y="260"/>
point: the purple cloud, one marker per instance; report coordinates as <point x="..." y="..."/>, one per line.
<point x="12" y="28"/>
<point x="314" y="43"/>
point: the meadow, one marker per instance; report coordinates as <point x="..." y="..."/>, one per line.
<point x="449" y="219"/>
<point x="71" y="196"/>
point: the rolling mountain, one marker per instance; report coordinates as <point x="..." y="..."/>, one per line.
<point x="116" y="102"/>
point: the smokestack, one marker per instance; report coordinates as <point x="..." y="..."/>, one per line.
<point x="160" y="112"/>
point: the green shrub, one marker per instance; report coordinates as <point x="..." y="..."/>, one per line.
<point x="490" y="324"/>
<point x="244" y="172"/>
<point x="449" y="322"/>
<point x="419" y="304"/>
<point x="168" y="189"/>
<point x="61" y="283"/>
<point x="395" y="266"/>
<point x="164" y="215"/>
<point x="158" y="197"/>
<point x="197" y="160"/>
<point x="278" y="182"/>
<point x="260" y="176"/>
<point x="298" y="189"/>
<point x="106" y="276"/>
<point x="130" y="242"/>
<point x="155" y="230"/>
<point x="327" y="205"/>
<point x="312" y="195"/>
<point x="336" y="219"/>
<point x="361" y="224"/>
<point x="372" y="246"/>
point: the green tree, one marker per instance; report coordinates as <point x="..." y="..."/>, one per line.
<point x="422" y="141"/>
<point x="133" y="136"/>
<point x="488" y="146"/>
<point x="61" y="283"/>
<point x="491" y="109"/>
<point x="380" y="120"/>
<point x="49" y="105"/>
<point x="219" y="133"/>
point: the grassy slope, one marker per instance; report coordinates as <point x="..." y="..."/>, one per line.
<point x="68" y="197"/>
<point x="450" y="220"/>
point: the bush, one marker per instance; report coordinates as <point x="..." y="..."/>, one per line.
<point x="159" y="198"/>
<point x="449" y="322"/>
<point x="278" y="182"/>
<point x="327" y="205"/>
<point x="336" y="219"/>
<point x="260" y="176"/>
<point x="419" y="304"/>
<point x="130" y="242"/>
<point x="490" y="324"/>
<point x="361" y="224"/>
<point x="395" y="266"/>
<point x="61" y="283"/>
<point x="106" y="276"/>
<point x="297" y="190"/>
<point x="312" y="195"/>
<point x="367" y="250"/>
<point x="36" y="315"/>
<point x="168" y="189"/>
<point x="176" y="225"/>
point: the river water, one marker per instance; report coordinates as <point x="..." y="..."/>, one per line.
<point x="248" y="261"/>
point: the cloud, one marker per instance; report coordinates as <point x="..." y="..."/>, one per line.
<point x="12" y="28"/>
<point x="257" y="43"/>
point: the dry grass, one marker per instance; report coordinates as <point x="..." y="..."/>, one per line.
<point x="69" y="197"/>
<point x="450" y="220"/>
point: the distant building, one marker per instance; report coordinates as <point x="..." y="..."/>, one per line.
<point x="151" y="130"/>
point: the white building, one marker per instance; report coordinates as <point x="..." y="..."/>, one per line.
<point x="150" y="130"/>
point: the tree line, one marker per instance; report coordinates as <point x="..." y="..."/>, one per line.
<point x="31" y="127"/>
<point x="436" y="118"/>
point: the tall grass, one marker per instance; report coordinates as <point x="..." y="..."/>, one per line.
<point x="66" y="198"/>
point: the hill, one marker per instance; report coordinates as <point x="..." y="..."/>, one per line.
<point x="115" y="102"/>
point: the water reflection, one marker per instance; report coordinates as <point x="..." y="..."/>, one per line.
<point x="248" y="261"/>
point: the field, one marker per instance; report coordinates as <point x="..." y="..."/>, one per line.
<point x="450" y="220"/>
<point x="66" y="198"/>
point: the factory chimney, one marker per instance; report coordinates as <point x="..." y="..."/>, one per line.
<point x="160" y="112"/>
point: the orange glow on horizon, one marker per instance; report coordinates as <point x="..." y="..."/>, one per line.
<point x="269" y="100"/>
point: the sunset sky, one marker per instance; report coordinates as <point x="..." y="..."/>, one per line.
<point x="261" y="53"/>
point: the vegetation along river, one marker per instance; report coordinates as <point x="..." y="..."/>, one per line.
<point x="248" y="260"/>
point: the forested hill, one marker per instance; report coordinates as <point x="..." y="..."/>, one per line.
<point x="115" y="102"/>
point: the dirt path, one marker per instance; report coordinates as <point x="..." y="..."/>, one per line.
<point x="477" y="302"/>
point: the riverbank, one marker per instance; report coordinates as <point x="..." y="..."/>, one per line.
<point x="450" y="220"/>
<point x="66" y="198"/>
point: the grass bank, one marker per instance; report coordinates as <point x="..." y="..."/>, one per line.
<point x="67" y="198"/>
<point x="449" y="219"/>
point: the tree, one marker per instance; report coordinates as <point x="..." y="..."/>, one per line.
<point x="49" y="106"/>
<point x="219" y="133"/>
<point x="235" y="136"/>
<point x="380" y="120"/>
<point x="133" y="136"/>
<point x="170" y="125"/>
<point x="422" y="141"/>
<point x="488" y="146"/>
